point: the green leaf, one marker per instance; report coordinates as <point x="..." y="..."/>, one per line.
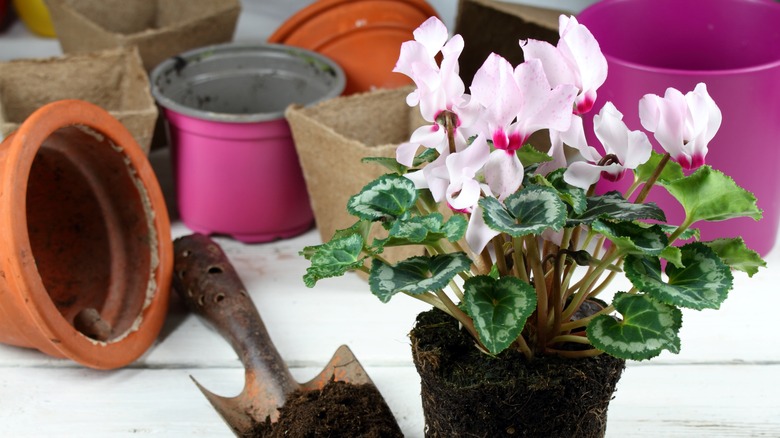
<point x="574" y="196"/>
<point x="632" y="238"/>
<point x="387" y="198"/>
<point x="415" y="275"/>
<point x="389" y="163"/>
<point x="528" y="211"/>
<point x="673" y="255"/>
<point x="671" y="172"/>
<point x="703" y="282"/>
<point x="499" y="309"/>
<point x="613" y="206"/>
<point x="737" y="255"/>
<point x="529" y="155"/>
<point x="334" y="258"/>
<point x="423" y="230"/>
<point x="694" y="233"/>
<point x="648" y="327"/>
<point x="710" y="195"/>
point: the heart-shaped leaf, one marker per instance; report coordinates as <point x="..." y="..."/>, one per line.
<point x="415" y="275"/>
<point x="613" y="206"/>
<point x="529" y="211"/>
<point x="702" y="283"/>
<point x="421" y="230"/>
<point x="333" y="258"/>
<point x="499" y="308"/>
<point x="710" y="195"/>
<point x="648" y="327"/>
<point x="387" y="198"/>
<point x="737" y="255"/>
<point x="632" y="238"/>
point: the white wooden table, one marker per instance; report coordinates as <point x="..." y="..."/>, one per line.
<point x="724" y="383"/>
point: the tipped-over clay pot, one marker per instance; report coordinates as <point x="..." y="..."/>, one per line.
<point x="85" y="247"/>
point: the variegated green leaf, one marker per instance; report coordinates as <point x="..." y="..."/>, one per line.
<point x="499" y="308"/>
<point x="333" y="258"/>
<point x="710" y="195"/>
<point x="574" y="196"/>
<point x="387" y="198"/>
<point x="737" y="255"/>
<point x="632" y="238"/>
<point x="671" y="172"/>
<point x="613" y="206"/>
<point x="415" y="275"/>
<point x="529" y="211"/>
<point x="648" y="327"/>
<point x="422" y="230"/>
<point x="703" y="282"/>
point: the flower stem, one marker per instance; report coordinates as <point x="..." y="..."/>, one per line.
<point x="458" y="314"/>
<point x="582" y="322"/>
<point x="498" y="247"/>
<point x="653" y="178"/>
<point x="541" y="288"/>
<point x="519" y="259"/>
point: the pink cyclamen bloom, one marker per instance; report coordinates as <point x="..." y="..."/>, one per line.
<point x="683" y="125"/>
<point x="577" y="60"/>
<point x="517" y="102"/>
<point x="439" y="88"/>
<point x="631" y="148"/>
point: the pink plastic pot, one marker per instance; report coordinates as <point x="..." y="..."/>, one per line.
<point x="731" y="45"/>
<point x="235" y="165"/>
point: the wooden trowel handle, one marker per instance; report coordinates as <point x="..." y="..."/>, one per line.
<point x="209" y="285"/>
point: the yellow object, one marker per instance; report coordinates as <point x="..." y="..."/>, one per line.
<point x="35" y="16"/>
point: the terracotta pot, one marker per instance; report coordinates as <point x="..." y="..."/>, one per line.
<point x="363" y="36"/>
<point x="467" y="393"/>
<point x="85" y="246"/>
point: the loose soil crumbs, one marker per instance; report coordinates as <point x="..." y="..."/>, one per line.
<point x="340" y="409"/>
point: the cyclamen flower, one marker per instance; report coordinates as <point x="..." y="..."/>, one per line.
<point x="577" y="60"/>
<point x="438" y="89"/>
<point x="517" y="102"/>
<point x="631" y="148"/>
<point x="683" y="125"/>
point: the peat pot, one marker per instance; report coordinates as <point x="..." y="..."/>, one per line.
<point x="235" y="166"/>
<point x="86" y="252"/>
<point x="467" y="393"/>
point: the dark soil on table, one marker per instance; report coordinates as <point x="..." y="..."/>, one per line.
<point x="338" y="410"/>
<point x="467" y="393"/>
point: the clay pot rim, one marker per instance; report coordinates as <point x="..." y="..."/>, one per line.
<point x="64" y="339"/>
<point x="299" y="19"/>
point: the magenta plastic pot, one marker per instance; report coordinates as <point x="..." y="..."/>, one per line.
<point x="731" y="45"/>
<point x="235" y="166"/>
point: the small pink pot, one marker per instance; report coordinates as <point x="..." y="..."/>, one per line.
<point x="235" y="165"/>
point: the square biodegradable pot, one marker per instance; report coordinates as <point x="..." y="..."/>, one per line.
<point x="334" y="136"/>
<point x="508" y="24"/>
<point x="160" y="28"/>
<point x="111" y="79"/>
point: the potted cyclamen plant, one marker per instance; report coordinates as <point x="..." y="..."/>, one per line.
<point x="521" y="340"/>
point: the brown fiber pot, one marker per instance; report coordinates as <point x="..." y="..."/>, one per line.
<point x="85" y="247"/>
<point x="466" y="393"/>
